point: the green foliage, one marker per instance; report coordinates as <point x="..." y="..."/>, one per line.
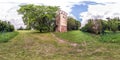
<point x="5" y="37"/>
<point x="6" y="26"/>
<point x="41" y="18"/>
<point x="113" y="24"/>
<point x="99" y="26"/>
<point x="73" y="24"/>
<point x="119" y="25"/>
<point x="94" y="26"/>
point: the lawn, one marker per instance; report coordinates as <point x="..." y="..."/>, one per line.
<point x="32" y="45"/>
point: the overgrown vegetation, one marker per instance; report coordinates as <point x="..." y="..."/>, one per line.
<point x="6" y="26"/>
<point x="99" y="26"/>
<point x="6" y="36"/>
<point x="110" y="37"/>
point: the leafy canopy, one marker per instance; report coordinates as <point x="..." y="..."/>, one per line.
<point x="39" y="17"/>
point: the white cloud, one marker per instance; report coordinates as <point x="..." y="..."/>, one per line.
<point x="8" y="8"/>
<point x="110" y="8"/>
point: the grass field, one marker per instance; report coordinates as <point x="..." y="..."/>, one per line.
<point x="95" y="47"/>
<point x="77" y="36"/>
<point x="5" y="37"/>
<point x="32" y="45"/>
<point x="110" y="37"/>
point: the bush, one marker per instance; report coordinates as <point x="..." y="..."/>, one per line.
<point x="113" y="24"/>
<point x="6" y="26"/>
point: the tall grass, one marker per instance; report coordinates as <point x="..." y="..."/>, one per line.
<point x="6" y="36"/>
<point x="110" y="37"/>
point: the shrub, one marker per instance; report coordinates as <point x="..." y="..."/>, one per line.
<point x="6" y="26"/>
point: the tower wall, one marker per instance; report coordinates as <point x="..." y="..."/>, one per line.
<point x="61" y="21"/>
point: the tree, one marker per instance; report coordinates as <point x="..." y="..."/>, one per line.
<point x="72" y="24"/>
<point x="39" y="17"/>
<point x="20" y="28"/>
<point x="6" y="26"/>
<point x="97" y="26"/>
<point x="77" y="24"/>
<point x="119" y="24"/>
<point x="113" y="24"/>
<point x="104" y="26"/>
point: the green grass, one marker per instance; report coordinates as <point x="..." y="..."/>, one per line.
<point x="77" y="36"/>
<point x="95" y="47"/>
<point x="5" y="37"/>
<point x="32" y="45"/>
<point x="110" y="37"/>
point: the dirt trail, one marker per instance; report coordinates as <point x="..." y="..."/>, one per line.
<point x="63" y="41"/>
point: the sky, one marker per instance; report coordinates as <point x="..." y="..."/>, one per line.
<point x="81" y="10"/>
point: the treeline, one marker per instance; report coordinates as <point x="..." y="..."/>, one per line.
<point x="6" y="26"/>
<point x="99" y="26"/>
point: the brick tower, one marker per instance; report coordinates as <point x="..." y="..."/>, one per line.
<point x="61" y="21"/>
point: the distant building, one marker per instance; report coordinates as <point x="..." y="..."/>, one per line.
<point x="61" y="21"/>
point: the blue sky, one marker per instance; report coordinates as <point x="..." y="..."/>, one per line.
<point x="81" y="10"/>
<point x="77" y="9"/>
<point x="82" y="7"/>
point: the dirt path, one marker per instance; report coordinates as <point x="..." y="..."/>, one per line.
<point x="63" y="41"/>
